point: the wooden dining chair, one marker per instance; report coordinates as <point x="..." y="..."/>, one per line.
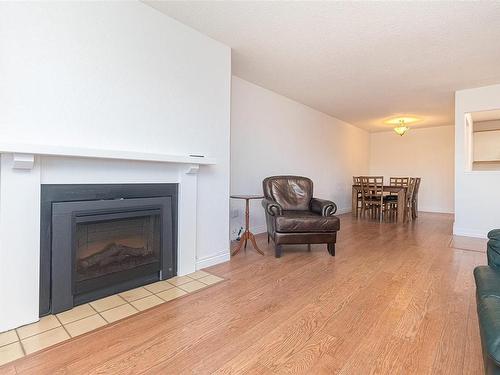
<point x="414" y="203"/>
<point x="356" y="180"/>
<point x="398" y="181"/>
<point x="409" y="199"/>
<point x="372" y="195"/>
<point x="392" y="198"/>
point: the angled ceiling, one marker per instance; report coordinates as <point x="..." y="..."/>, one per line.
<point x="361" y="62"/>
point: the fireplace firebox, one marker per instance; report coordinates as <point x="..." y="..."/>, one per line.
<point x="99" y="240"/>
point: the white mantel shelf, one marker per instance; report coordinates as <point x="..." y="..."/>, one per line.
<point x="81" y="152"/>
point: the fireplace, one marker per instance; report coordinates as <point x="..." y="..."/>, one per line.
<point x="115" y="243"/>
<point x="99" y="240"/>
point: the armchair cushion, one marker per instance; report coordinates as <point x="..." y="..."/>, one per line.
<point x="290" y="192"/>
<point x="306" y="222"/>
<point x="323" y="207"/>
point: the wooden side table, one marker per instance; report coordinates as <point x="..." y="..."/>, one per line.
<point x="247" y="235"/>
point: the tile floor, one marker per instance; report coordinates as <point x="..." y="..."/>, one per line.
<point x="469" y="243"/>
<point x="53" y="329"/>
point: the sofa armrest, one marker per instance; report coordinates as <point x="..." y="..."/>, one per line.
<point x="493" y="251"/>
<point x="494" y="235"/>
<point x="272" y="208"/>
<point x="323" y="207"/>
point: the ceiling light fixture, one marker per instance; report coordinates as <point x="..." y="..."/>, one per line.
<point x="401" y="124"/>
<point x="401" y="129"/>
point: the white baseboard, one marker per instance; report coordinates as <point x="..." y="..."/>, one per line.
<point x="457" y="231"/>
<point x="344" y="210"/>
<point x="439" y="210"/>
<point x="213" y="260"/>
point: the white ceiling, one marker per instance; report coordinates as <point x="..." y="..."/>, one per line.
<point x="358" y="61"/>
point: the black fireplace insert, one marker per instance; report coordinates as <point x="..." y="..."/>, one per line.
<point x="98" y="240"/>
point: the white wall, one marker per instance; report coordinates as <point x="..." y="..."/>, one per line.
<point x="427" y="153"/>
<point x="119" y="75"/>
<point x="273" y="135"/>
<point x="116" y="75"/>
<point x="477" y="209"/>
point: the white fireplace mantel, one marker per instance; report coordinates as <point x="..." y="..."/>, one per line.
<point x="25" y="167"/>
<point x="25" y="153"/>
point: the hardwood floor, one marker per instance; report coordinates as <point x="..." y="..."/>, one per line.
<point x="396" y="299"/>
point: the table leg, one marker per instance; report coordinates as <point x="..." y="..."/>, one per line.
<point x="354" y="201"/>
<point x="240" y="245"/>
<point x="401" y="206"/>
<point x="247" y="235"/>
<point x="254" y="243"/>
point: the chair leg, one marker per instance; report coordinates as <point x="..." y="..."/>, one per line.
<point x="268" y="238"/>
<point x="331" y="248"/>
<point x="308" y="247"/>
<point x="277" y="251"/>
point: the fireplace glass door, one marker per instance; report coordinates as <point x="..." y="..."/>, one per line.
<point x="109" y="245"/>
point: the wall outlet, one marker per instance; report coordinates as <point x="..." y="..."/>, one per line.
<point x="234" y="212"/>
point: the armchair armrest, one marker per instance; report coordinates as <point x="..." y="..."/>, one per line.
<point x="323" y="207"/>
<point x="272" y="208"/>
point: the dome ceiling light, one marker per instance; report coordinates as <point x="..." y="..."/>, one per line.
<point x="401" y="123"/>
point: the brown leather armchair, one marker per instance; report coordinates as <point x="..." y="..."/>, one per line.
<point x="293" y="216"/>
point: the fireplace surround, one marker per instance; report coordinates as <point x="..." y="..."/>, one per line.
<point x="101" y="239"/>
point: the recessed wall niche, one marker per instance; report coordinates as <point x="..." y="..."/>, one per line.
<point x="483" y="140"/>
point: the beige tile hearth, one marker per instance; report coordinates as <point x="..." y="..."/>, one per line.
<point x="10" y="352"/>
<point x="8" y="337"/>
<point x="77" y="313"/>
<point x="53" y="329"/>
<point x="118" y="313"/>
<point x="171" y="294"/>
<point x="107" y="303"/>
<point x="211" y="279"/>
<point x="179" y="280"/>
<point x="44" y="340"/>
<point x="133" y="294"/>
<point x="44" y="324"/>
<point x="198" y="275"/>
<point x="159" y="286"/>
<point x="192" y="286"/>
<point x="147" y="302"/>
<point x="85" y="325"/>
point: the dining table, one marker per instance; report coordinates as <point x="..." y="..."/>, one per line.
<point x="399" y="190"/>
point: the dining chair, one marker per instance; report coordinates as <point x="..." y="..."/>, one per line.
<point x="392" y="198"/>
<point x="414" y="203"/>
<point x="372" y="195"/>
<point x="409" y="198"/>
<point x="398" y="181"/>
<point x="356" y="180"/>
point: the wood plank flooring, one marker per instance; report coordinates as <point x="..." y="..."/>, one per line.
<point x="397" y="299"/>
